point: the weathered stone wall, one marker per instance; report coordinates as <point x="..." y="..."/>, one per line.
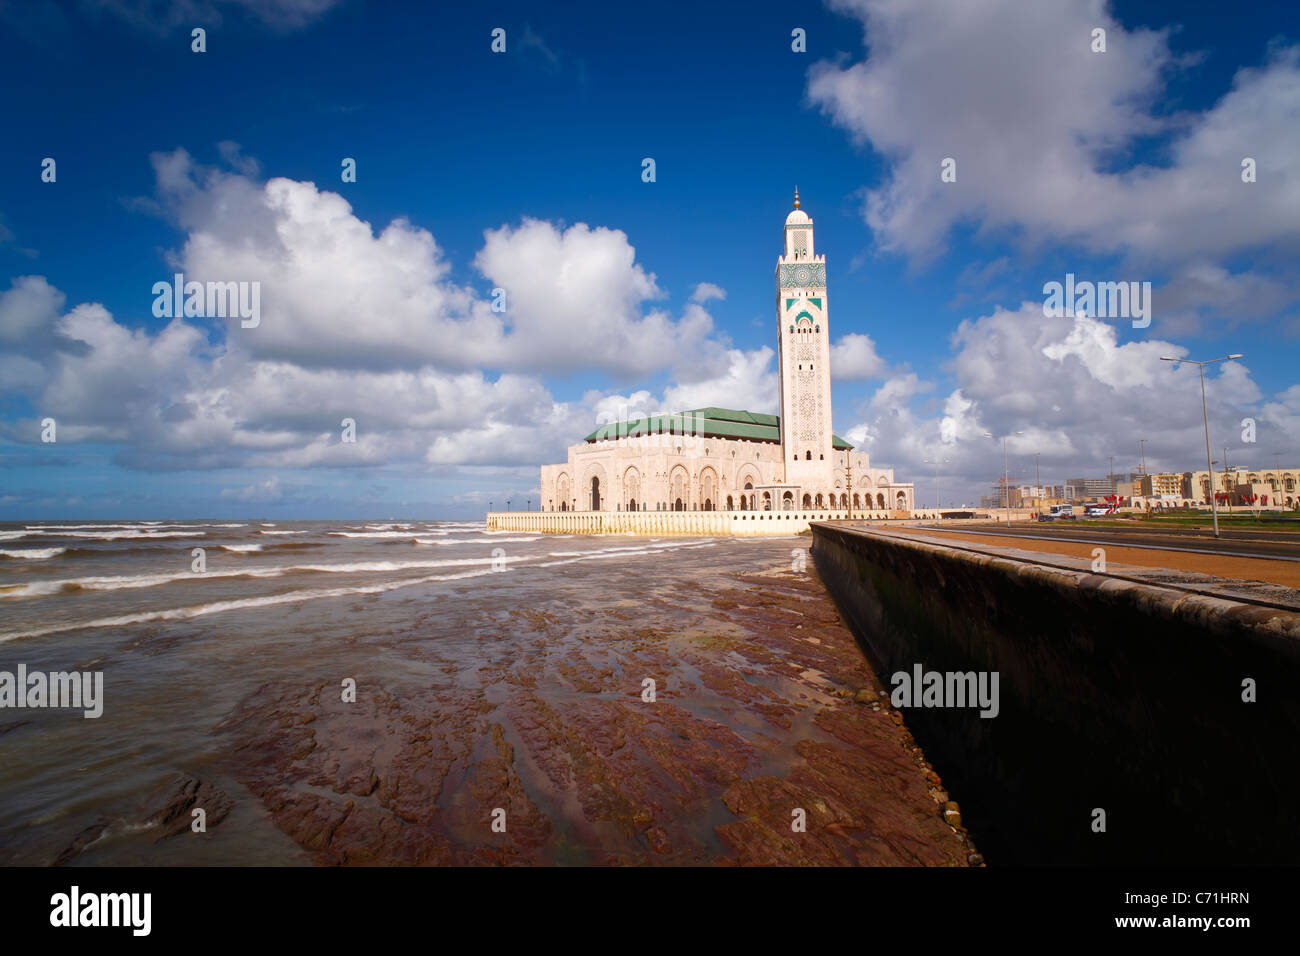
<point x="1113" y="695"/>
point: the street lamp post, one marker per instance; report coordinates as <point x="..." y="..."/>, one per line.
<point x="938" y="499"/>
<point x="1205" y="417"/>
<point x="1006" y="480"/>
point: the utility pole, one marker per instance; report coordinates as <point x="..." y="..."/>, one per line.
<point x="1038" y="480"/>
<point x="1111" y="476"/>
<point x="1205" y="417"/>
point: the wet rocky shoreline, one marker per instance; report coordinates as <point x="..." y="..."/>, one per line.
<point x="550" y="750"/>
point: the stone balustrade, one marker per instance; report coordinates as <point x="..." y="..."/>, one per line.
<point x="684" y="523"/>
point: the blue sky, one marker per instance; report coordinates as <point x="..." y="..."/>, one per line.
<point x="522" y="170"/>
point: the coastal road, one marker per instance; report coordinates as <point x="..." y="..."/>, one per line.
<point x="1268" y="545"/>
<point x="1270" y="561"/>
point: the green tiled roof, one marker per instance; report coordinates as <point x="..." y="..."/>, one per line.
<point x="706" y="422"/>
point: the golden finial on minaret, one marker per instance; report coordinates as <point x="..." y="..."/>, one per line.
<point x="796" y="197"/>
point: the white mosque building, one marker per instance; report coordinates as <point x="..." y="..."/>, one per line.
<point x="721" y="459"/>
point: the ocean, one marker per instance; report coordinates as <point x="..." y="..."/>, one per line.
<point x="499" y="711"/>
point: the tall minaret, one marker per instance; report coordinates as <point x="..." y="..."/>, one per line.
<point x="803" y="337"/>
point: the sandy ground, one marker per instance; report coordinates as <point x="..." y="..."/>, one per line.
<point x="1285" y="573"/>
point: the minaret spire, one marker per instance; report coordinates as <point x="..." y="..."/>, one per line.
<point x="796" y="197"/>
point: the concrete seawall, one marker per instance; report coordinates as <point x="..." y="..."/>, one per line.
<point x="1113" y="695"/>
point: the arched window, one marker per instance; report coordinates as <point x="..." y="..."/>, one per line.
<point x="808" y="455"/>
<point x="807" y="502"/>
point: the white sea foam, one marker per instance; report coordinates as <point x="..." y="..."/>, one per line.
<point x="127" y="526"/>
<point x="128" y="581"/>
<point x="627" y="549"/>
<point x="283" y="532"/>
<point x="187" y="613"/>
<point x="371" y="534"/>
<point x="471" y="568"/>
<point x="121" y="535"/>
<point x="33" y="554"/>
<point x="240" y="548"/>
<point x="630" y="553"/>
<point x="114" y="582"/>
<point x="472" y="540"/>
<point x="80" y="527"/>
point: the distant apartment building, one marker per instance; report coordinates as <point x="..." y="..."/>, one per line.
<point x="1091" y="487"/>
<point x="1029" y="496"/>
<point x="1165" y="483"/>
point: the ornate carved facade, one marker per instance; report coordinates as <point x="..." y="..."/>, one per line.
<point x="717" y="459"/>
